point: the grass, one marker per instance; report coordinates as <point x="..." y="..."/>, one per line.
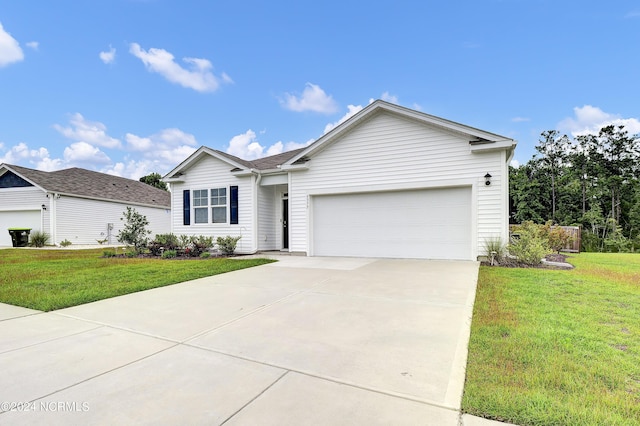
<point x="54" y="279"/>
<point x="552" y="347"/>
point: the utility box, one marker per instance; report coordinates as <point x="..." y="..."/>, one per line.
<point x="19" y="236"/>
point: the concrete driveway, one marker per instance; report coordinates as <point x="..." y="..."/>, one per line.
<point x="302" y="341"/>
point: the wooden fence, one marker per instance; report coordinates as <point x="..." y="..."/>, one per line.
<point x="576" y="238"/>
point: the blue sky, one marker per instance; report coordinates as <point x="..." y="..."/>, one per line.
<point x="130" y="87"/>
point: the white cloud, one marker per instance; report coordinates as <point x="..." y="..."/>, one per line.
<point x="520" y="119"/>
<point x="199" y="77"/>
<point x="589" y="120"/>
<point x="633" y="14"/>
<point x="389" y="98"/>
<point x="33" y="45"/>
<point x="21" y="152"/>
<point x="160" y="153"/>
<point x="313" y="98"/>
<point x="247" y="146"/>
<point x="108" y="56"/>
<point x="515" y="163"/>
<point x="352" y="110"/>
<point x="10" y="50"/>
<point x="92" y="132"/>
<point x="81" y="153"/>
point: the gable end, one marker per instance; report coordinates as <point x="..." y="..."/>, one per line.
<point x="12" y="180"/>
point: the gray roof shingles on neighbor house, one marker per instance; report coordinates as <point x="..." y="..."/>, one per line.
<point x="90" y="184"/>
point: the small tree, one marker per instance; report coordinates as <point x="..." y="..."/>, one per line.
<point x="134" y="232"/>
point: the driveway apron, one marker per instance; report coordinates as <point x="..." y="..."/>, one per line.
<point x="301" y="341"/>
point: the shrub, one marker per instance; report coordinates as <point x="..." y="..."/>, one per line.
<point x="38" y="239"/>
<point x="108" y="253"/>
<point x="496" y="246"/>
<point x="227" y="245"/>
<point x="163" y="242"/>
<point x="557" y="238"/>
<point x="134" y="232"/>
<point x="200" y="244"/>
<point x="615" y="241"/>
<point x="531" y="246"/>
<point x="169" y="254"/>
<point x="65" y="243"/>
<point x="205" y="255"/>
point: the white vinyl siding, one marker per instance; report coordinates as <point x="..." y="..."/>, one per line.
<point x="85" y="221"/>
<point x="267" y="221"/>
<point x="390" y="152"/>
<point x="208" y="173"/>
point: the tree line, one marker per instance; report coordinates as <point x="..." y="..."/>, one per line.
<point x="590" y="180"/>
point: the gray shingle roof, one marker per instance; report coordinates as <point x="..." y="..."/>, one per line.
<point x="86" y="183"/>
<point x="265" y="163"/>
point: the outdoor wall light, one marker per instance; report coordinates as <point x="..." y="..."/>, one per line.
<point x="487" y="179"/>
<point x="44" y="207"/>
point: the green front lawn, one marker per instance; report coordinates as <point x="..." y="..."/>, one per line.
<point x="551" y="347"/>
<point x="55" y="279"/>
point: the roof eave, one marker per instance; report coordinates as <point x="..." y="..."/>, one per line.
<point x="203" y="150"/>
<point x="506" y="144"/>
<point x="380" y="105"/>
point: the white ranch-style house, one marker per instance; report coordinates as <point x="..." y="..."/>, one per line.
<point x="388" y="182"/>
<point x="76" y="205"/>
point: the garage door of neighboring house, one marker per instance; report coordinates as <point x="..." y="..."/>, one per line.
<point x="18" y="219"/>
<point x="426" y="224"/>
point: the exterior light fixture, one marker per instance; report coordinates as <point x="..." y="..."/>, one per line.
<point x="487" y="179"/>
<point x="44" y="207"/>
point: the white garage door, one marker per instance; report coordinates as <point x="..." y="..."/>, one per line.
<point x="18" y="219"/>
<point x="426" y="224"/>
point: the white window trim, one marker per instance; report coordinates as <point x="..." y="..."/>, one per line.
<point x="209" y="206"/>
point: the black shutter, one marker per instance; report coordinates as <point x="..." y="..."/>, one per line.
<point x="186" y="207"/>
<point x="233" y="205"/>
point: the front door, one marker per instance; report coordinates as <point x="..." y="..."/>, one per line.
<point x="285" y="223"/>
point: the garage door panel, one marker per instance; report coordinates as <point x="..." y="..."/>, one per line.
<point x="18" y="219"/>
<point x="432" y="224"/>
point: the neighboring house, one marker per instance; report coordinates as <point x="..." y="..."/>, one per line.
<point x="75" y="204"/>
<point x="388" y="182"/>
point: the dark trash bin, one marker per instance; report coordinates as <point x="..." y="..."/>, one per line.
<point x="19" y="236"/>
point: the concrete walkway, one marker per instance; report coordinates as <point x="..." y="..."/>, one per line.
<point x="302" y="341"/>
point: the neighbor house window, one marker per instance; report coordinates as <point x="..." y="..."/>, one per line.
<point x="219" y="205"/>
<point x="201" y="205"/>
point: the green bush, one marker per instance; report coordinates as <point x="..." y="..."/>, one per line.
<point x="65" y="243"/>
<point x="169" y="254"/>
<point x="531" y="246"/>
<point x="590" y="242"/>
<point x="227" y="245"/>
<point x="38" y="239"/>
<point x="615" y="241"/>
<point x="205" y="255"/>
<point x="163" y="242"/>
<point x="108" y="253"/>
<point x="557" y="238"/>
